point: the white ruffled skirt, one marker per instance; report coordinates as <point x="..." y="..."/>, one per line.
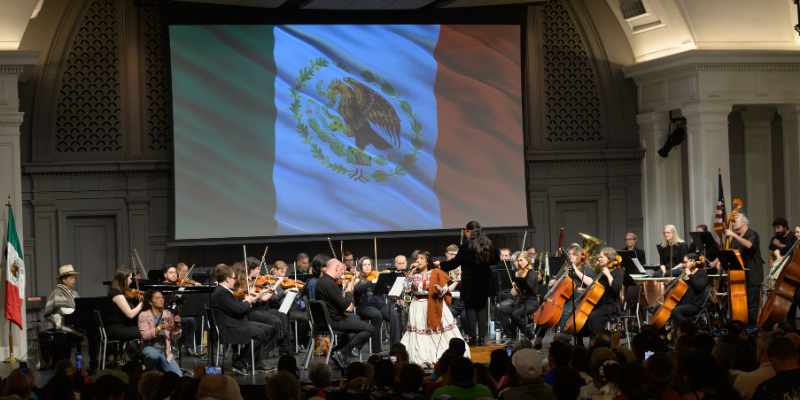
<point x="422" y="344"/>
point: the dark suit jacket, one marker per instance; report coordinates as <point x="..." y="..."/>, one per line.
<point x="231" y="316"/>
<point x="476" y="278"/>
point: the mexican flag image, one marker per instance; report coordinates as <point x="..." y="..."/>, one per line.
<point x="15" y="274"/>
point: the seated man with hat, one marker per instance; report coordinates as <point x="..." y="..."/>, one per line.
<point x="60" y="302"/>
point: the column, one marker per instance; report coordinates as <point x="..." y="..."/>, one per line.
<point x="790" y="114"/>
<point x="15" y="66"/>
<point x="707" y="146"/>
<point x="662" y="189"/>
<point x="758" y="175"/>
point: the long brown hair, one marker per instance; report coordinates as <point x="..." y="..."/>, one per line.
<point x="479" y="243"/>
<point x="612" y="255"/>
<point x="120" y="281"/>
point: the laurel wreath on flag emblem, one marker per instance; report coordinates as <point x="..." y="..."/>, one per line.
<point x="327" y="126"/>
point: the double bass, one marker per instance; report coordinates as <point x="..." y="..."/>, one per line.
<point x="737" y="282"/>
<point x="673" y="293"/>
<point x="548" y="315"/>
<point x="782" y="294"/>
<point x="589" y="300"/>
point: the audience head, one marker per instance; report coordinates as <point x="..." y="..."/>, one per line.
<point x="682" y="342"/>
<point x="373" y="359"/>
<point x="702" y="371"/>
<point x="355" y="370"/>
<point x="148" y="385"/>
<point x="288" y="363"/>
<point x="634" y="382"/>
<point x="283" y="386"/>
<point x="370" y="369"/>
<point x="764" y="342"/>
<point x="497" y="363"/>
<point x="458" y="346"/>
<point x="234" y="393"/>
<point x="384" y="373"/>
<point x="785" y="326"/>
<point x="108" y="387"/>
<point x="795" y="338"/>
<point x="410" y="378"/>
<point x="528" y="364"/>
<point x="687" y="327"/>
<point x="782" y="354"/>
<point x="566" y="384"/>
<point x="444" y="363"/>
<point x="580" y="360"/>
<point x="212" y="387"/>
<point x="165" y="385"/>
<point x="62" y="366"/>
<point x="320" y="375"/>
<point x="662" y="368"/>
<point x="59" y="388"/>
<point x="560" y="353"/>
<point x="18" y="384"/>
<point x="725" y="354"/>
<point x="521" y="344"/>
<point x="702" y="342"/>
<point x="603" y="339"/>
<point x="462" y="371"/>
<point x="399" y="350"/>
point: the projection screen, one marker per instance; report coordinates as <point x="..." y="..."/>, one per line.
<point x="319" y="129"/>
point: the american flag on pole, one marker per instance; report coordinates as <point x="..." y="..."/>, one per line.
<point x="719" y="220"/>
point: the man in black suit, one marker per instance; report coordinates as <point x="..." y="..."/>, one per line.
<point x="340" y="309"/>
<point x="234" y="327"/>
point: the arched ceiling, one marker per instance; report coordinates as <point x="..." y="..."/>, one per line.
<point x="672" y="26"/>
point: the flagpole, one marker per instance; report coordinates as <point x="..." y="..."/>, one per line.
<point x="11" y="358"/>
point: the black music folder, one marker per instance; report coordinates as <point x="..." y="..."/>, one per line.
<point x="728" y="261"/>
<point x="705" y="244"/>
<point x="385" y="283"/>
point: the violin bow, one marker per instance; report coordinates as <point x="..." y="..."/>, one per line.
<point x="246" y="269"/>
<point x="295" y="276"/>
<point x="341" y="249"/>
<point x="375" y="267"/>
<point x="141" y="265"/>
<point x="331" y="245"/>
<point x="262" y="260"/>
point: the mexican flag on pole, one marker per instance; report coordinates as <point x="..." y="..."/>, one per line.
<point x="15" y="274"/>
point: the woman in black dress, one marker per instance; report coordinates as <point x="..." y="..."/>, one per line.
<point x="122" y="320"/>
<point x="475" y="257"/>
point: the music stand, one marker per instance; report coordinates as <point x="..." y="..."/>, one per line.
<point x="705" y="243"/>
<point x="556" y="263"/>
<point x="630" y="267"/>
<point x="728" y="261"/>
<point x="385" y="283"/>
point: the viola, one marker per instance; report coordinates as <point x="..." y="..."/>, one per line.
<point x="673" y="295"/>
<point x="737" y="282"/>
<point x="589" y="300"/>
<point x="133" y="294"/>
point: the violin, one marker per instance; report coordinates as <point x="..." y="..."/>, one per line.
<point x="185" y="282"/>
<point x="674" y="293"/>
<point x="737" y="282"/>
<point x="266" y="279"/>
<point x="290" y="284"/>
<point x="371" y="276"/>
<point x="133" y="294"/>
<point x="524" y="271"/>
<point x="589" y="300"/>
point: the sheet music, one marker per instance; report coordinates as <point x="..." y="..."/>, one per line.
<point x="638" y="265"/>
<point x="287" y="301"/>
<point x="397" y="287"/>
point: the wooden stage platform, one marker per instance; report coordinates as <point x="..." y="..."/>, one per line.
<point x="482" y="354"/>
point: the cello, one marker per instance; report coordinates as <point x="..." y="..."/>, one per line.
<point x="674" y="293"/>
<point x="737" y="282"/>
<point x="781" y="295"/>
<point x="589" y="300"/>
<point x="549" y="314"/>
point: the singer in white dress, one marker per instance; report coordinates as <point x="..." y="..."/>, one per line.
<point x="430" y="323"/>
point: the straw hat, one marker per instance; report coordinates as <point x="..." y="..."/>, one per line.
<point x="65" y="270"/>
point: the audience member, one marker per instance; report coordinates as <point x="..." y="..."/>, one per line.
<point x="463" y="385"/>
<point x="497" y="363"/>
<point x="687" y="328"/>
<point x="702" y="342"/>
<point x="566" y="384"/>
<point x="320" y="376"/>
<point x="283" y="386"/>
<point x="108" y="387"/>
<point x="355" y="377"/>
<point x="559" y="356"/>
<point x="18" y="384"/>
<point x="581" y="362"/>
<point x="682" y="342"/>
<point x="457" y="346"/>
<point x="410" y="379"/>
<point x="747" y="382"/>
<point x="522" y="344"/>
<point x="212" y="387"/>
<point x="725" y="354"/>
<point x="288" y="363"/>
<point x="485" y="378"/>
<point x="234" y="393"/>
<point x="662" y="368"/>
<point x="786" y="382"/>
<point x="148" y="385"/>
<point x="634" y="383"/>
<point x="604" y="364"/>
<point x="59" y="388"/>
<point x="166" y="384"/>
<point x="178" y="387"/>
<point x="383" y="378"/>
<point x="373" y="359"/>
<point x="528" y="369"/>
<point x="440" y="369"/>
<point x="705" y="377"/>
<point x="399" y="350"/>
<point x="603" y="339"/>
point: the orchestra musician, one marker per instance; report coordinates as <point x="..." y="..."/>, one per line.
<point x="302" y="264"/>
<point x="581" y="277"/>
<point x="349" y="261"/>
<point x="630" y="245"/>
<point x="693" y="301"/>
<point x="296" y="312"/>
<point x="699" y="228"/>
<point x="183" y="272"/>
<point x="158" y="327"/>
<point x="234" y="326"/>
<point x="457" y="306"/>
<point x="610" y="304"/>
<point x="318" y="265"/>
<point x="261" y="311"/>
<point x="475" y="257"/>
<point x="372" y="308"/>
<point x="747" y="242"/>
<point x="516" y="310"/>
<point x="60" y="302"/>
<point x="505" y="254"/>
<point x="122" y="323"/>
<point x="339" y="306"/>
<point x="782" y="241"/>
<point x="430" y="324"/>
<point x="188" y="324"/>
<point x="400" y="265"/>
<point x="671" y="254"/>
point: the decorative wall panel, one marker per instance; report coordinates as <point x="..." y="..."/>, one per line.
<point x="156" y="82"/>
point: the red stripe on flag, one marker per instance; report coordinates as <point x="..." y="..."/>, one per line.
<point x="13" y="304"/>
<point x="480" y="125"/>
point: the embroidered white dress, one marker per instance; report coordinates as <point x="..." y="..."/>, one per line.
<point x="424" y="345"/>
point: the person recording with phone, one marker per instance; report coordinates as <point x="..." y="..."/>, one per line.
<point x="158" y="328"/>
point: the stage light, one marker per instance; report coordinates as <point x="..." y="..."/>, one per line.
<point x="675" y="138"/>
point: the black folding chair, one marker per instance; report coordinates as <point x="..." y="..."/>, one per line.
<point x="213" y="330"/>
<point x="320" y="323"/>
